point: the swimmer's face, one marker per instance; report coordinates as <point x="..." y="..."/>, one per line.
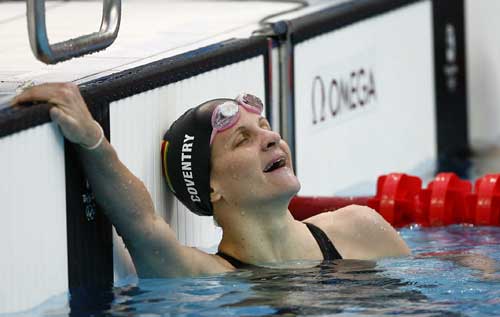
<point x="251" y="164"/>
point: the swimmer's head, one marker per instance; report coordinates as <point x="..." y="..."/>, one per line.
<point x="186" y="148"/>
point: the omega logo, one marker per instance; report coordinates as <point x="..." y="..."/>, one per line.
<point x="341" y="94"/>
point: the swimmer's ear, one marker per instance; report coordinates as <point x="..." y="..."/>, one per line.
<point x="215" y="196"/>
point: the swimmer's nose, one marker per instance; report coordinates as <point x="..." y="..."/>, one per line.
<point x="271" y="139"/>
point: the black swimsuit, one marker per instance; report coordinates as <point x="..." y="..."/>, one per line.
<point x="325" y="244"/>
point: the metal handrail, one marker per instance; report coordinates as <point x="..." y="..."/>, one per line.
<point x="86" y="44"/>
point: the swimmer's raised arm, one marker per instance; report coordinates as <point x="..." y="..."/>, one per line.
<point x="122" y="196"/>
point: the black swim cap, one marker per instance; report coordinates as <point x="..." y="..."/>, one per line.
<point x="185" y="155"/>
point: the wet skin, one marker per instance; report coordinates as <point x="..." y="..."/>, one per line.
<point x="239" y="159"/>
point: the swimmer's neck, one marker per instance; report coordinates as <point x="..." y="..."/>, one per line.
<point x="264" y="237"/>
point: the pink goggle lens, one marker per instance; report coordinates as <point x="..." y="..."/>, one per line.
<point x="251" y="103"/>
<point x="226" y="114"/>
<point x="224" y="117"/>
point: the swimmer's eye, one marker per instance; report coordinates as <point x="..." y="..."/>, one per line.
<point x="241" y="140"/>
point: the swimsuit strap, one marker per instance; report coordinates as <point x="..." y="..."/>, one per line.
<point x="234" y="262"/>
<point x="325" y="244"/>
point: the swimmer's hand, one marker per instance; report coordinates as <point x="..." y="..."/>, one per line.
<point x="68" y="110"/>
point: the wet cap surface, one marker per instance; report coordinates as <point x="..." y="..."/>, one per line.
<point x="186" y="157"/>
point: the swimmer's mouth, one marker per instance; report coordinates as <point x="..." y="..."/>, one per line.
<point x="275" y="165"/>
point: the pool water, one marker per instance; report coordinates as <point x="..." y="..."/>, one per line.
<point x="454" y="271"/>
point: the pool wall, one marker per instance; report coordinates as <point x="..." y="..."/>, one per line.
<point x="57" y="237"/>
<point x="358" y="85"/>
<point x="33" y="242"/>
<point x="483" y="71"/>
<point x="392" y="52"/>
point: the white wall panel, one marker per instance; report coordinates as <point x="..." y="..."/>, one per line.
<point x="483" y="70"/>
<point x="137" y="127"/>
<point x="33" y="263"/>
<point x="394" y="130"/>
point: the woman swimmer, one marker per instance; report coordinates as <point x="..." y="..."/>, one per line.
<point x="220" y="158"/>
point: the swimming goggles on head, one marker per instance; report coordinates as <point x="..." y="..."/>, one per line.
<point x="227" y="114"/>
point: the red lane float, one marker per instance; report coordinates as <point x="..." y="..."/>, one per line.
<point x="397" y="198"/>
<point x="488" y="200"/>
<point x="447" y="204"/>
<point x="401" y="200"/>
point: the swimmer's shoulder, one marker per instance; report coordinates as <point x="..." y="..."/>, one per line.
<point x="359" y="232"/>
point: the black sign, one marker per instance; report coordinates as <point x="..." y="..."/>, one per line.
<point x="331" y="97"/>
